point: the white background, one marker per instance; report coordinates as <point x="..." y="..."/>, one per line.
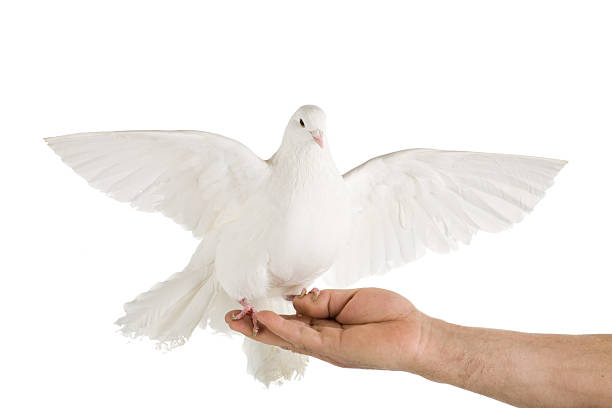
<point x="524" y="77"/>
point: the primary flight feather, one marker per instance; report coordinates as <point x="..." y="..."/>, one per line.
<point x="270" y="228"/>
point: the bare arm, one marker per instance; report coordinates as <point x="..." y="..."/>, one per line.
<point x="379" y="329"/>
<point x="522" y="369"/>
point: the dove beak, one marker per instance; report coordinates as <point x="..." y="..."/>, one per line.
<point x="317" y="135"/>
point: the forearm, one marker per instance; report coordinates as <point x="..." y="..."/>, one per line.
<point x="526" y="370"/>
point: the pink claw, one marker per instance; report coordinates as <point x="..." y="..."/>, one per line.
<point x="247" y="308"/>
<point x="315" y="292"/>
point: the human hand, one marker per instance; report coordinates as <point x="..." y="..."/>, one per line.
<point x="379" y="329"/>
<point x="358" y="328"/>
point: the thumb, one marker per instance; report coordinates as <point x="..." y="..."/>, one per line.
<point x="328" y="304"/>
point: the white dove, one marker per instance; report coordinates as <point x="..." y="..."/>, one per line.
<point x="270" y="228"/>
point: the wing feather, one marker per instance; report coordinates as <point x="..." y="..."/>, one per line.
<point x="413" y="200"/>
<point x="189" y="176"/>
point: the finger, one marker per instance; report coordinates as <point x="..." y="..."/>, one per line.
<point x="355" y="306"/>
<point x="298" y="317"/>
<point x="312" y="322"/>
<point x="370" y="305"/>
<point x="322" y="350"/>
<point x="300" y="336"/>
<point x="245" y="326"/>
<point x="329" y="303"/>
<point x="318" y="324"/>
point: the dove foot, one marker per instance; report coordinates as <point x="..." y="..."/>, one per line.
<point x="315" y="294"/>
<point x="247" y="308"/>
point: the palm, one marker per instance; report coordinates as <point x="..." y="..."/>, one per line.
<point x="365" y="328"/>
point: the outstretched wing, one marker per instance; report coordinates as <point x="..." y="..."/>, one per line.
<point x="413" y="200"/>
<point x="189" y="176"/>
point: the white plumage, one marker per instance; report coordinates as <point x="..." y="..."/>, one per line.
<point x="269" y="228"/>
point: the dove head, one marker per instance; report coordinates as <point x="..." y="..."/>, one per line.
<point x="307" y="125"/>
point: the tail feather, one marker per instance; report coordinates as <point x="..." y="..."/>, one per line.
<point x="171" y="310"/>
<point x="270" y="364"/>
<point x="273" y="365"/>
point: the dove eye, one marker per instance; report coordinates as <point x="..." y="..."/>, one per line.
<point x="302" y="123"/>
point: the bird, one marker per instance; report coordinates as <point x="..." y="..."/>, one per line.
<point x="270" y="228"/>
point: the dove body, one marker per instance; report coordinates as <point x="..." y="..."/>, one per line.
<point x="303" y="210"/>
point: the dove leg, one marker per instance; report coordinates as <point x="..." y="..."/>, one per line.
<point x="247" y="308"/>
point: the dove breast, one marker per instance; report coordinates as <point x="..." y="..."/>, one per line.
<point x="311" y="231"/>
<point x="285" y="236"/>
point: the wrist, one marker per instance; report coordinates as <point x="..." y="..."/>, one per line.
<point x="477" y="359"/>
<point x="443" y="354"/>
<point x="420" y="352"/>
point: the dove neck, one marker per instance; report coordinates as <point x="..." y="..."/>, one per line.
<point x="303" y="163"/>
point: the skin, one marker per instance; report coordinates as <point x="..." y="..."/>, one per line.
<point x="379" y="329"/>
